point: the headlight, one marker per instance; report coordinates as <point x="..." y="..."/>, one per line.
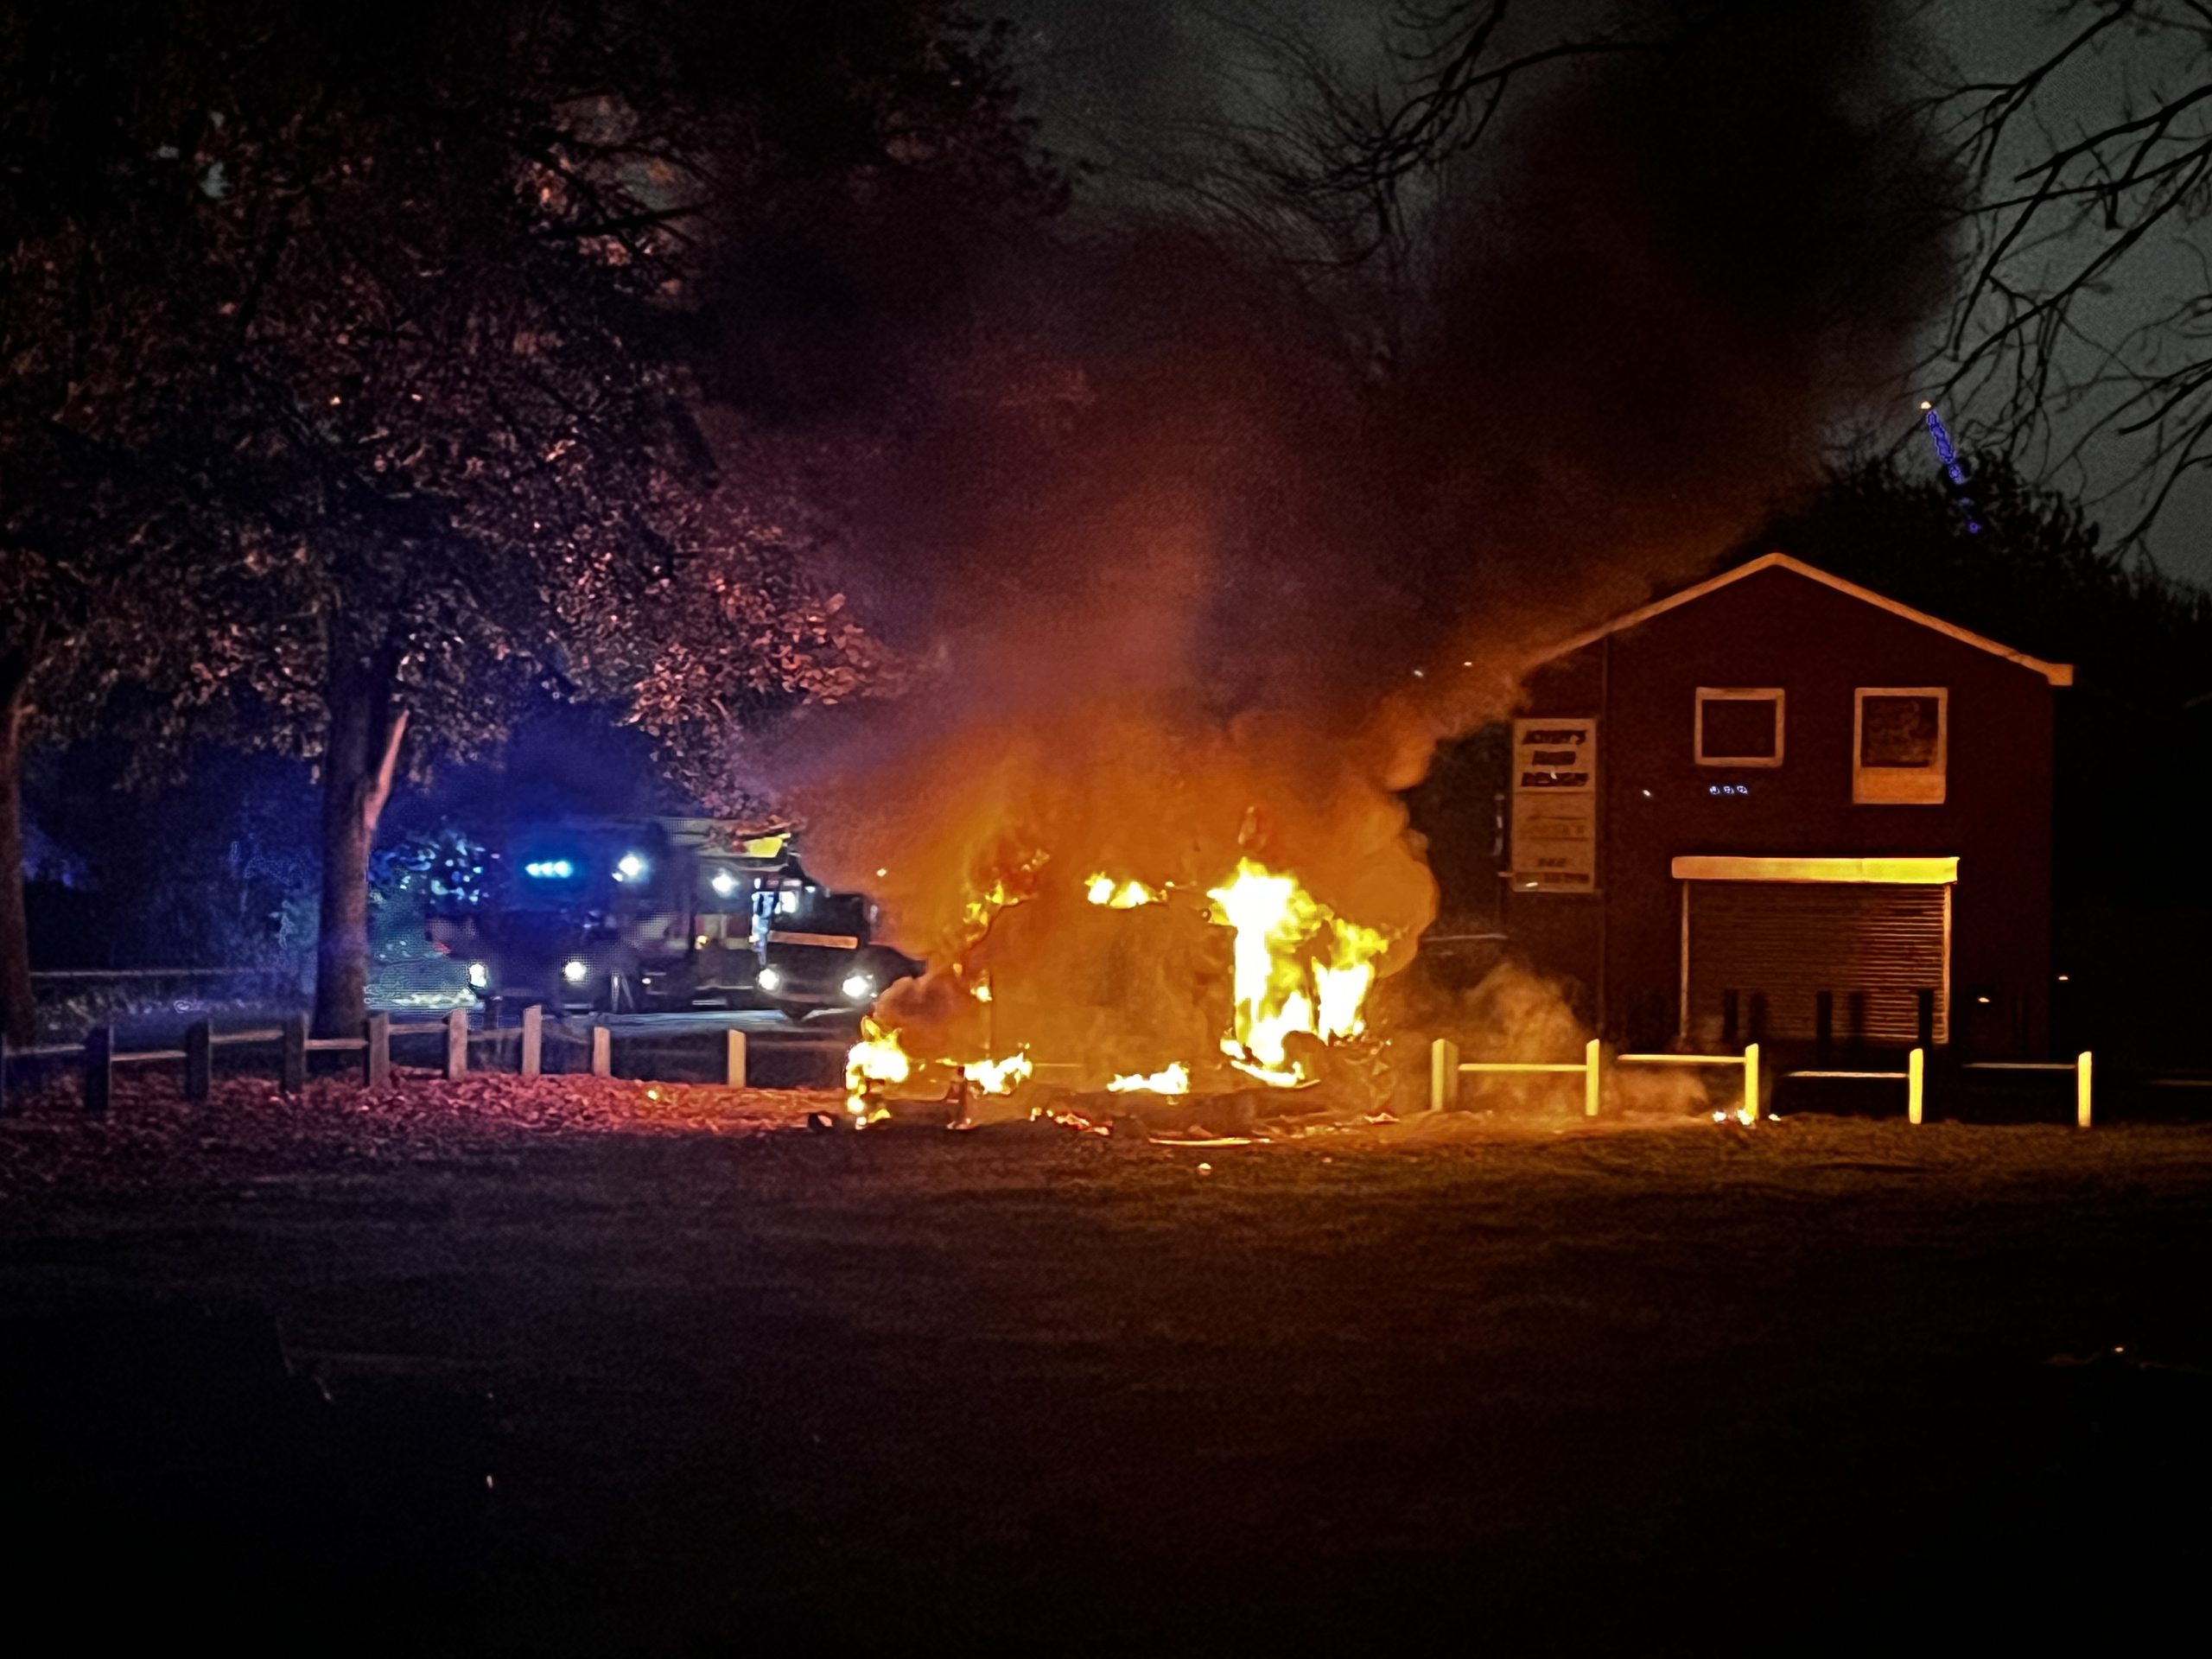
<point x="576" y="970"/>
<point x="480" y="977"/>
<point x="858" y="987"/>
<point x="629" y="866"/>
<point x="767" y="979"/>
<point x="724" y="883"/>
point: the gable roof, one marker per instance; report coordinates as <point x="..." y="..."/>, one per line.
<point x="2056" y="673"/>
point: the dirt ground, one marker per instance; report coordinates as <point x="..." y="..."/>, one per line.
<point x="569" y="1369"/>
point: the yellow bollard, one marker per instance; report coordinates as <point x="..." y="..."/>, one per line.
<point x="1751" y="1082"/>
<point x="1915" y="1084"/>
<point x="1590" y="1078"/>
<point x="2081" y="1071"/>
<point x="1443" y="1075"/>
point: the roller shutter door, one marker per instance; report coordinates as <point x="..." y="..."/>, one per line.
<point x="1875" y="945"/>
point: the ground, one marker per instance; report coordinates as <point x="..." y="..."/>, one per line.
<point x="576" y="1369"/>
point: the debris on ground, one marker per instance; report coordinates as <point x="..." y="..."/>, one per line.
<point x="152" y="1135"/>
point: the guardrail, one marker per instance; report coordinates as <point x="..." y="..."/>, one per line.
<point x="1446" y="1068"/>
<point x="99" y="1057"/>
<point x="2083" y="1066"/>
<point x="1914" y="1077"/>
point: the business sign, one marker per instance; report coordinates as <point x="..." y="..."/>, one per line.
<point x="1555" y="806"/>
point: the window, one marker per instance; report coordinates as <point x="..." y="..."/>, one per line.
<point x="1901" y="745"/>
<point x="1739" y="728"/>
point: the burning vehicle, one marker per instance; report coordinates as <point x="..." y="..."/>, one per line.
<point x="1216" y="1002"/>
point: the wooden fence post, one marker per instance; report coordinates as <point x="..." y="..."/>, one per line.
<point x="99" y="1068"/>
<point x="533" y="1039"/>
<point x="1590" y="1078"/>
<point x="456" y="1043"/>
<point x="1916" y="1085"/>
<point x="602" y="1052"/>
<point x="735" y="1072"/>
<point x="292" y="1055"/>
<point x="1443" y="1075"/>
<point x="199" y="1059"/>
<point x="1824" y="1027"/>
<point x="376" y="1051"/>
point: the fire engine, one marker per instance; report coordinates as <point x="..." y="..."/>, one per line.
<point x="658" y="914"/>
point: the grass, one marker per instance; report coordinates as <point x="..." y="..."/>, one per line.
<point x="1813" y="1385"/>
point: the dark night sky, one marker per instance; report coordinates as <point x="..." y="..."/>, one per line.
<point x="1111" y="79"/>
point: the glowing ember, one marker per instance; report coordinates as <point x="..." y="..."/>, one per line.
<point x="1299" y="968"/>
<point x="1013" y="888"/>
<point x="876" y="1058"/>
<point x="979" y="911"/>
<point x="1102" y="889"/>
<point x="997" y="1076"/>
<point x="1170" y="1080"/>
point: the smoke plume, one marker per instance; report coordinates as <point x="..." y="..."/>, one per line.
<point x="1184" y="575"/>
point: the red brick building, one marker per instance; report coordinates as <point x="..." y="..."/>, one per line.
<point x="1777" y="801"/>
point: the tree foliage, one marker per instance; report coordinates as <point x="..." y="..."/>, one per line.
<point x="2039" y="574"/>
<point x="355" y="350"/>
<point x="2133" y="735"/>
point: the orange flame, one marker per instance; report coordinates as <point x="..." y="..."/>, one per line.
<point x="1102" y="889"/>
<point x="998" y="1076"/>
<point x="1169" y="1080"/>
<point x="876" y="1058"/>
<point x="1299" y="968"/>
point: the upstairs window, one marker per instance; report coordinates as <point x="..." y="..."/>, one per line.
<point x="1739" y="727"/>
<point x="1901" y="745"/>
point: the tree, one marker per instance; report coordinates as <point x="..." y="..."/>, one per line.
<point x="735" y="635"/>
<point x="2039" y="576"/>
<point x="96" y="493"/>
<point x="399" y="333"/>
<point x="2094" y="165"/>
<point x="2130" y="777"/>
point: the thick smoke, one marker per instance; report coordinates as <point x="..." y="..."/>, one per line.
<point x="1184" y="576"/>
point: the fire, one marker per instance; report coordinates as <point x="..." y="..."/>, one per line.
<point x="998" y="1076"/>
<point x="1299" y="968"/>
<point x="976" y="918"/>
<point x="876" y="1058"/>
<point x="1102" y="889"/>
<point x="1169" y="1080"/>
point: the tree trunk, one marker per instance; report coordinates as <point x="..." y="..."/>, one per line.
<point x="359" y="753"/>
<point x="18" y="1012"/>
